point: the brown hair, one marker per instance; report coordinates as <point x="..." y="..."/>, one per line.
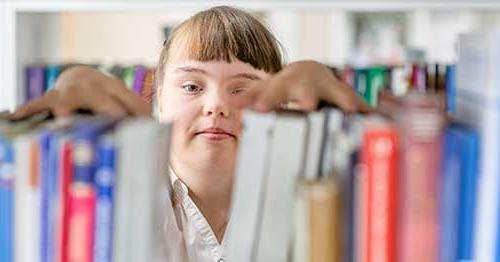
<point x="223" y="34"/>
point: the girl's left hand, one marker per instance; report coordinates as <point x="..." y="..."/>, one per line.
<point x="304" y="84"/>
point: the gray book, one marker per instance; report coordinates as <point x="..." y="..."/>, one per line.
<point x="286" y="164"/>
<point x="252" y="170"/>
<point x="142" y="191"/>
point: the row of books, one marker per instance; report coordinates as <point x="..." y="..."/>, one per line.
<point x="361" y="188"/>
<point x="411" y="183"/>
<point x="82" y="189"/>
<point x="41" y="78"/>
<point x="427" y="78"/>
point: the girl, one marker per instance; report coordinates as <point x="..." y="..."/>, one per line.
<point x="214" y="64"/>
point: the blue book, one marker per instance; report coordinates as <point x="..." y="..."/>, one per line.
<point x="469" y="151"/>
<point x="6" y="200"/>
<point x="458" y="201"/>
<point x="47" y="193"/>
<point x="449" y="188"/>
<point x="104" y="183"/>
<point x="85" y="135"/>
<point x="451" y="88"/>
<point x="51" y="74"/>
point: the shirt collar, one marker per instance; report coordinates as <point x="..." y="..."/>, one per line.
<point x="178" y="187"/>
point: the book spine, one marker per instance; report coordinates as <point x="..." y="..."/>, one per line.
<point x="44" y="141"/>
<point x="26" y="198"/>
<point x="35" y="82"/>
<point x="139" y="75"/>
<point x="81" y="220"/>
<point x="51" y="75"/>
<point x="104" y="182"/>
<point x="469" y="159"/>
<point x="323" y="200"/>
<point x="449" y="198"/>
<point x="66" y="170"/>
<point x="379" y="155"/>
<point x="418" y="227"/>
<point x="6" y="201"/>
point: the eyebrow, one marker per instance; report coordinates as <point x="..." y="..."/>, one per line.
<point x="247" y="76"/>
<point x="190" y="69"/>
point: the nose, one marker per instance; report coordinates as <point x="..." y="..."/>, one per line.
<point x="216" y="105"/>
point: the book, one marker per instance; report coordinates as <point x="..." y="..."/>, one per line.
<point x="34" y="81"/>
<point x="477" y="106"/>
<point x="288" y="146"/>
<point x="128" y="76"/>
<point x="420" y="122"/>
<point x="104" y="183"/>
<point x="82" y="199"/>
<point x="252" y="169"/>
<point x="458" y="194"/>
<point x="51" y="74"/>
<point x="379" y="155"/>
<point x="319" y="222"/>
<point x="27" y="198"/>
<point x="142" y="191"/>
<point x="139" y="76"/>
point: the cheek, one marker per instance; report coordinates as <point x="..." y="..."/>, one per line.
<point x="174" y="105"/>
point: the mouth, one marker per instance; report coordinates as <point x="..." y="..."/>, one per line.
<point x="215" y="134"/>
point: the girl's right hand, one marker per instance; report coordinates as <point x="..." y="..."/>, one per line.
<point x="83" y="87"/>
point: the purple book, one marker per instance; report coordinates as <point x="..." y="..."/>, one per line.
<point x="139" y="75"/>
<point x="34" y="81"/>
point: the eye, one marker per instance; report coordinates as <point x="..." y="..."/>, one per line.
<point x="191" y="88"/>
<point x="237" y="91"/>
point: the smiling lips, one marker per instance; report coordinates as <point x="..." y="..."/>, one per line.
<point x="215" y="134"/>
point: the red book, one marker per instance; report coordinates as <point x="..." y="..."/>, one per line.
<point x="66" y="173"/>
<point x="421" y="129"/>
<point x="82" y="198"/>
<point x="379" y="154"/>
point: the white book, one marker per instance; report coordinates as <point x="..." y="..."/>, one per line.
<point x="478" y="95"/>
<point x="252" y="167"/>
<point x="286" y="163"/>
<point x="142" y="191"/>
<point x="27" y="201"/>
<point x="315" y="141"/>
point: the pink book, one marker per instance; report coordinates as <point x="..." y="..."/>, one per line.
<point x="82" y="199"/>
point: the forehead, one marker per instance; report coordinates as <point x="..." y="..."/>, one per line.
<point x="181" y="57"/>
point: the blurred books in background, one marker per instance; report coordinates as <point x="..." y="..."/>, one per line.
<point x="41" y="78"/>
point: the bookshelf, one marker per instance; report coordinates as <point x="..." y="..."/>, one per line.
<point x="31" y="31"/>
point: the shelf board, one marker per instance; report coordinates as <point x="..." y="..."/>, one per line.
<point x="352" y="5"/>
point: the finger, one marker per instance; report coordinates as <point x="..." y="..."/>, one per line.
<point x="34" y="106"/>
<point x="106" y="105"/>
<point x="343" y="96"/>
<point x="272" y="94"/>
<point x="129" y="100"/>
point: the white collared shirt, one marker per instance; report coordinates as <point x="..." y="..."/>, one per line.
<point x="189" y="237"/>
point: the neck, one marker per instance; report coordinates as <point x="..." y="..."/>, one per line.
<point x="210" y="187"/>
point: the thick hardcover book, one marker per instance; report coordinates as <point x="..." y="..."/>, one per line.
<point x="288" y="148"/>
<point x="27" y="198"/>
<point x="252" y="169"/>
<point x="379" y="154"/>
<point x="420" y="122"/>
<point x="142" y="192"/>
<point x="104" y="182"/>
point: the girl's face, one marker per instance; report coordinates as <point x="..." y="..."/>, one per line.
<point x="199" y="95"/>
